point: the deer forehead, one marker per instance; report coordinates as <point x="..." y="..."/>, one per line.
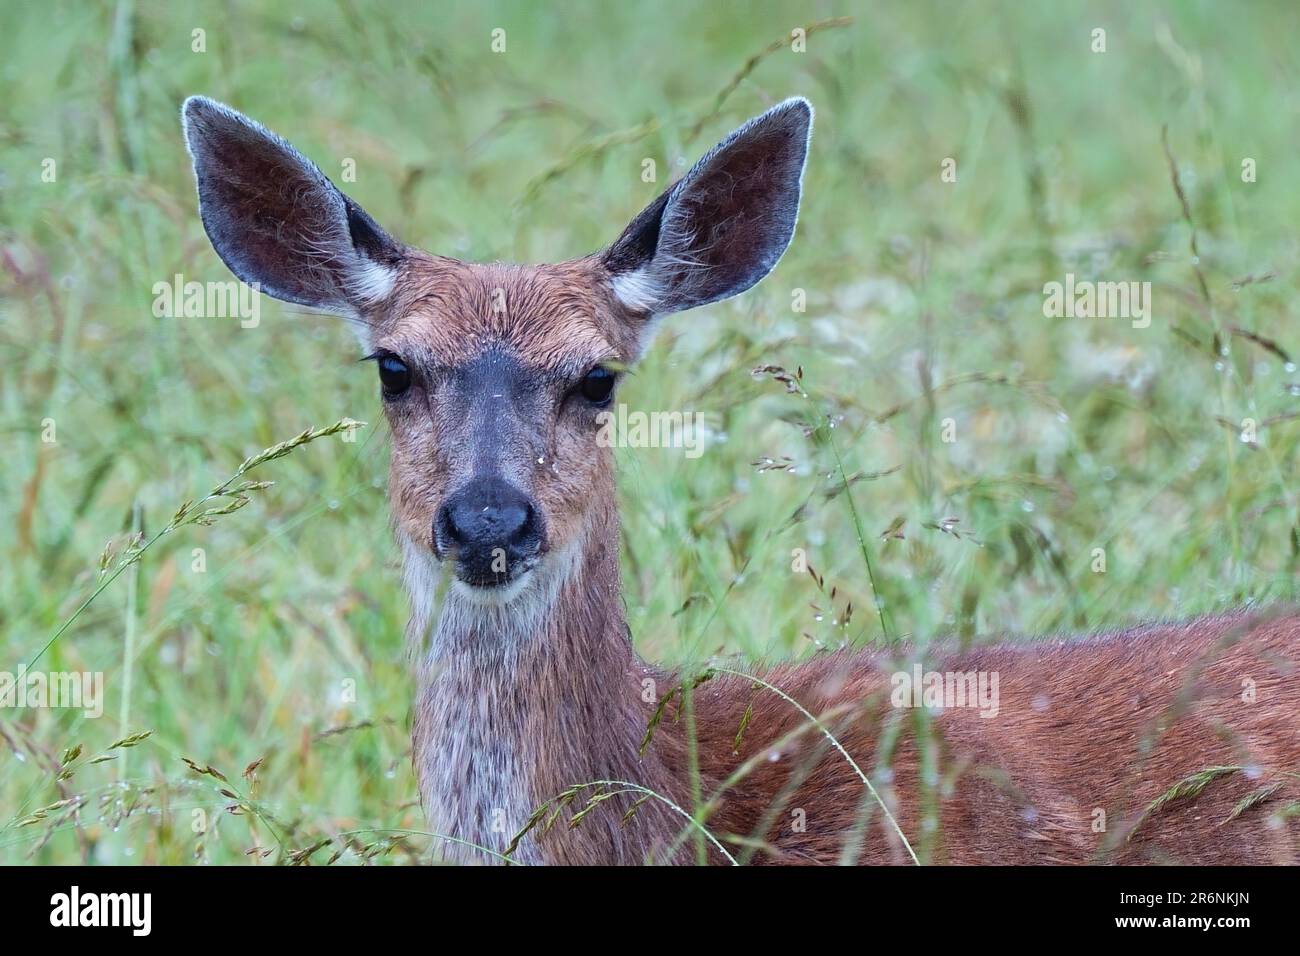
<point x="560" y="317"/>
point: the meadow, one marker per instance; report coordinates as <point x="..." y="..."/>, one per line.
<point x="990" y="470"/>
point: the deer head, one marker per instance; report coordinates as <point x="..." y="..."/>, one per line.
<point x="493" y="376"/>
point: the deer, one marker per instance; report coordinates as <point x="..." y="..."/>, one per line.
<point x="1164" y="742"/>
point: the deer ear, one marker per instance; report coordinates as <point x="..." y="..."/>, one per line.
<point x="724" y="225"/>
<point x="276" y="220"/>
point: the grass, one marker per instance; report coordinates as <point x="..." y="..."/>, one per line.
<point x="267" y="648"/>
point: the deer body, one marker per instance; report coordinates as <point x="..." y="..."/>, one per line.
<point x="1102" y="723"/>
<point x="493" y="379"/>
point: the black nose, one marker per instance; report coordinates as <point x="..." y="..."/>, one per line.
<point x="491" y="528"/>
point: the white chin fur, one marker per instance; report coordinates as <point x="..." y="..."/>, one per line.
<point x="495" y="596"/>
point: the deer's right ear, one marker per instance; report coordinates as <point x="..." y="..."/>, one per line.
<point x="276" y="220"/>
<point x="724" y="225"/>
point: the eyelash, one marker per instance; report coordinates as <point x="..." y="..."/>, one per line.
<point x="395" y="376"/>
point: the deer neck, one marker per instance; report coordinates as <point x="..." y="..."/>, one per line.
<point x="517" y="702"/>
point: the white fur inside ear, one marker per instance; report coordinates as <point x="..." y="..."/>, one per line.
<point x="638" y="289"/>
<point x="371" y="282"/>
<point x="368" y="283"/>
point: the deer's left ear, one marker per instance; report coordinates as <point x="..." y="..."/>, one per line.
<point x="724" y="225"/>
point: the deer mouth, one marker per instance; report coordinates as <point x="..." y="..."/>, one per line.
<point x="497" y="589"/>
<point x="477" y="579"/>
<point x="491" y="571"/>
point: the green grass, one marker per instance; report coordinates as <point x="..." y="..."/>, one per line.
<point x="924" y="303"/>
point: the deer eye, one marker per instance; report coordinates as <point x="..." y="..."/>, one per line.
<point x="597" y="386"/>
<point x="394" y="376"/>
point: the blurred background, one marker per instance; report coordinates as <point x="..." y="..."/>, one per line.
<point x="1004" y="472"/>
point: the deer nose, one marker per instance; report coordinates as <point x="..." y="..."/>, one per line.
<point x="491" y="528"/>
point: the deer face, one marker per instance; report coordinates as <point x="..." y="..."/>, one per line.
<point x="493" y="380"/>
<point x="494" y="377"/>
